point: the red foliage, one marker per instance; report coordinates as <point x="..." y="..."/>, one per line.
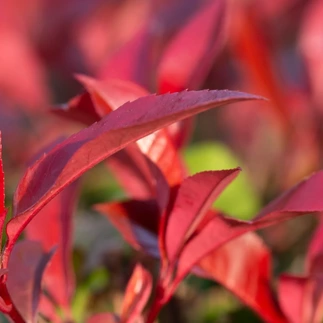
<point x="167" y="47"/>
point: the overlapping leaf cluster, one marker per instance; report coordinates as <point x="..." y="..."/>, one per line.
<point x="139" y="136"/>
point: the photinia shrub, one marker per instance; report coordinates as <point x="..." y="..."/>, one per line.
<point x="59" y="168"/>
<point x="132" y="49"/>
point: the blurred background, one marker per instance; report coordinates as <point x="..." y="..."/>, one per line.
<point x="272" y="48"/>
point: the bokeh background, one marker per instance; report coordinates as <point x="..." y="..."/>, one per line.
<point x="273" y="48"/>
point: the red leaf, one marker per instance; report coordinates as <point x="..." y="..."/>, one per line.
<point x="195" y="196"/>
<point x="158" y="146"/>
<point x="291" y="295"/>
<point x="80" y="108"/>
<point x="53" y="226"/>
<point x="314" y="256"/>
<point x="25" y="270"/>
<point x="104" y="318"/>
<point x="137" y="294"/>
<point x="311" y="32"/>
<point x="243" y="266"/>
<point x="137" y="221"/>
<point x="132" y="170"/>
<point x="70" y="159"/>
<point x="133" y="62"/>
<point x="110" y="94"/>
<point x="107" y="96"/>
<point x="302" y="199"/>
<point x="27" y="85"/>
<point x="3" y="211"/>
<point x="190" y="54"/>
<point x="250" y="44"/>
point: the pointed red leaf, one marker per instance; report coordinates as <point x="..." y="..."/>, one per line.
<point x="110" y="95"/>
<point x="70" y="159"/>
<point x="243" y="266"/>
<point x="302" y="199"/>
<point x="53" y="227"/>
<point x="80" y="108"/>
<point x="194" y="198"/>
<point x="136" y="295"/>
<point x="191" y="53"/>
<point x="25" y="270"/>
<point x="107" y="96"/>
<point x="104" y="318"/>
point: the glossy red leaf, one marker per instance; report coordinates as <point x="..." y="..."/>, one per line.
<point x="194" y="198"/>
<point x="136" y="295"/>
<point x="191" y="53"/>
<point x="104" y="318"/>
<point x="70" y="159"/>
<point x="243" y="266"/>
<point x="110" y="95"/>
<point x="127" y="165"/>
<point x="302" y="199"/>
<point x="25" y="270"/>
<point x="53" y="227"/>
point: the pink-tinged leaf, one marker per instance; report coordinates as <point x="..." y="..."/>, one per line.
<point x="3" y="211"/>
<point x="110" y="94"/>
<point x="136" y="295"/>
<point x="302" y="199"/>
<point x="180" y="132"/>
<point x="27" y="85"/>
<point x="93" y="105"/>
<point x="133" y="62"/>
<point x="310" y="46"/>
<point x="249" y="42"/>
<point x="160" y="149"/>
<point x="131" y="169"/>
<point x="82" y="151"/>
<point x="194" y="198"/>
<point x="191" y="53"/>
<point x="243" y="266"/>
<point x="25" y="270"/>
<point x="53" y="227"/>
<point x="291" y="291"/>
<point x="137" y="221"/>
<point x="80" y="109"/>
<point x="104" y="318"/>
<point x="314" y="256"/>
<point x="49" y="310"/>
